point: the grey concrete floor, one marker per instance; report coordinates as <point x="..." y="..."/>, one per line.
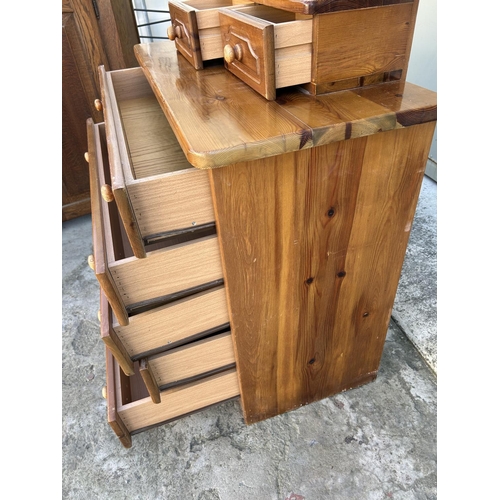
<point x="371" y="443"/>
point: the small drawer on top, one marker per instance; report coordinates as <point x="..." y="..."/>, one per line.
<point x="132" y="410"/>
<point x="163" y="328"/>
<point x="195" y="28"/>
<point x="173" y="268"/>
<point x="267" y="48"/>
<point x="157" y="192"/>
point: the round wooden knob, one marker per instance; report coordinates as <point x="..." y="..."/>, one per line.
<point x="99" y="315"/>
<point x="104" y="392"/>
<point x="232" y="53"/>
<point x="98" y="104"/>
<point x="86" y="156"/>
<point x="107" y="193"/>
<point x="174" y="32"/>
<point x="91" y="262"/>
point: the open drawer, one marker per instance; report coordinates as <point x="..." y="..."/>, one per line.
<point x="131" y="409"/>
<point x="267" y="48"/>
<point x="157" y="192"/>
<point x="163" y="328"/>
<point x="176" y="267"/>
<point x="195" y="28"/>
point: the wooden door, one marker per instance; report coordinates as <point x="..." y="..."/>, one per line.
<point x="93" y="34"/>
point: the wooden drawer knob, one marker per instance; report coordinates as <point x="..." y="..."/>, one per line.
<point x="91" y="262"/>
<point x="105" y="392"/>
<point x="174" y="32"/>
<point x="107" y="193"/>
<point x="99" y="315"/>
<point x="98" y="104"/>
<point x="86" y="156"/>
<point x="232" y="53"/>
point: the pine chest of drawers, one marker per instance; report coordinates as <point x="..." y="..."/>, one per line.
<point x="308" y="203"/>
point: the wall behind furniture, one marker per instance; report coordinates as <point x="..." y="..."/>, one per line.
<point x="422" y="68"/>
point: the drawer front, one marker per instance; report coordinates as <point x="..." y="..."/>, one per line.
<point x="249" y="50"/>
<point x="180" y="401"/>
<point x="267" y="48"/>
<point x="184" y="30"/>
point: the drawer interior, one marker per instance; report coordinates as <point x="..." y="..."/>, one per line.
<point x="152" y="146"/>
<point x="270" y="14"/>
<point x="211" y="4"/>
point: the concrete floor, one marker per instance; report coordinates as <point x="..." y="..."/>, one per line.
<point x="371" y="443"/>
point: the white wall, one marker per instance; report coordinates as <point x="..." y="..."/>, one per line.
<point x="422" y="69"/>
<point x="156" y="30"/>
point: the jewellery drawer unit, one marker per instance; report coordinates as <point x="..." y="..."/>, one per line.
<point x="323" y="46"/>
<point x="131" y="409"/>
<point x="195" y="27"/>
<point x="171" y="270"/>
<point x="157" y="192"/>
<point x="314" y="199"/>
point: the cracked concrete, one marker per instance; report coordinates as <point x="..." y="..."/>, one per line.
<point x="375" y="442"/>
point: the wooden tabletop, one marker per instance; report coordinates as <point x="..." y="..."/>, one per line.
<point x="219" y="120"/>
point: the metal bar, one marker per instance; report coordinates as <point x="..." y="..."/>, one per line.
<point x="150" y="24"/>
<point x="151" y="10"/>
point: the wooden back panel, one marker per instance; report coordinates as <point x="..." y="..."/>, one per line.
<point x="362" y="43"/>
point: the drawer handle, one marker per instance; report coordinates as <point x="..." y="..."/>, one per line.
<point x="87" y="157"/>
<point x="98" y="105"/>
<point x="104" y="392"/>
<point x="91" y="262"/>
<point x="232" y="53"/>
<point x="107" y="193"/>
<point x="174" y="32"/>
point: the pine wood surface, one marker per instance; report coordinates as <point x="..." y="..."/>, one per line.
<point x="220" y="121"/>
<point x="361" y="42"/>
<point x="312" y="262"/>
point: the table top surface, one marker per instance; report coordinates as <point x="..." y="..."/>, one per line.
<point x="219" y="120"/>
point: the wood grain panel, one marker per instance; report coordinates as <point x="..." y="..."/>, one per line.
<point x="355" y="43"/>
<point x="312" y="247"/>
